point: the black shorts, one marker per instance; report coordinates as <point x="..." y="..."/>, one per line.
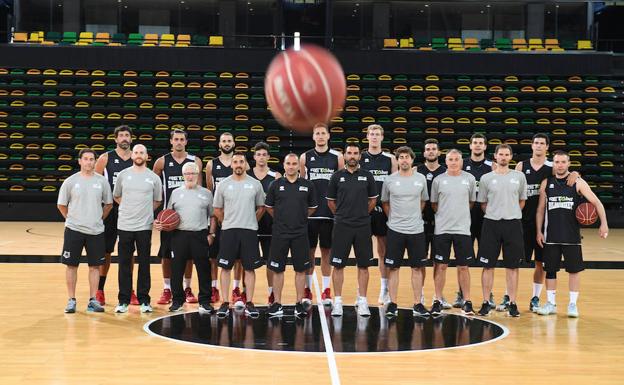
<point x="530" y="243"/>
<point x="476" y="222"/>
<point x="265" y="246"/>
<point x="345" y="237"/>
<point x="320" y="231"/>
<point x="415" y="245"/>
<point x="213" y="250"/>
<point x="462" y="247"/>
<point x="429" y="239"/>
<point x="239" y="244"/>
<point x="572" y="256"/>
<point x="505" y="233"/>
<point x="299" y="252"/>
<point x="110" y="229"/>
<point x="379" y="220"/>
<point x="165" y="244"/>
<point x="75" y="241"/>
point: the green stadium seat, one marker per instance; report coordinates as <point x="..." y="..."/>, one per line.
<point x="69" y="38"/>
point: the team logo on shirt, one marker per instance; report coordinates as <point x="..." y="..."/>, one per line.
<point x="97" y="185"/>
<point x="148" y="180"/>
<point x="366" y="160"/>
<point x="336" y="260"/>
<point x="281" y="188"/>
<point x="77" y="185"/>
<point x="429" y="176"/>
<point x="312" y="159"/>
<point x="275" y="264"/>
<point x="362" y="178"/>
<point x="528" y="172"/>
<point x="514" y="181"/>
<point x="397" y="183"/>
<point x="465" y="182"/>
<point x="66" y="254"/>
<point x="494" y="181"/>
<point x="247" y="186"/>
<point x="218" y="167"/>
<point x="116" y="161"/>
<point x="467" y="168"/>
<point x="443" y="182"/>
<point x="303" y="188"/>
<point x="551" y="186"/>
<point x="342" y="179"/>
<point x="417" y="184"/>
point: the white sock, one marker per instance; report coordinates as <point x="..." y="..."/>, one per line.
<point x="309" y="281"/>
<point x="215" y="282"/>
<point x="338" y="299"/>
<point x="236" y="283"/>
<point x="537" y="289"/>
<point x="574" y="296"/>
<point x="326" y="282"/>
<point x="167" y="282"/>
<point x="384" y="285"/>
<point x="187" y="282"/>
<point x="550" y="296"/>
<point x="270" y="290"/>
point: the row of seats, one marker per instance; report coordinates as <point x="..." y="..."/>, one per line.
<point x="116" y="39"/>
<point x="502" y="44"/>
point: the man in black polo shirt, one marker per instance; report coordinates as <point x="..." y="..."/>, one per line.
<point x="351" y="195"/>
<point x="290" y="200"/>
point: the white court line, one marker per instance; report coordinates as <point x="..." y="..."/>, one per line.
<point x="329" y="348"/>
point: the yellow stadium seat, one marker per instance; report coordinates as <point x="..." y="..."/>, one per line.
<point x="455" y="42"/>
<point x="536" y="44"/>
<point x="584" y="44"/>
<point x="150" y="39"/>
<point x="183" y="40"/>
<point x="20" y="37"/>
<point x="85" y="37"/>
<point x="518" y="44"/>
<point x="167" y="40"/>
<point x="215" y="41"/>
<point x="390" y="43"/>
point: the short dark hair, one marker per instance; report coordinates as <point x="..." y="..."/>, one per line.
<point x="432" y="141"/>
<point x="478" y="135"/>
<point x="503" y="146"/>
<point x="178" y="131"/>
<point x="352" y="144"/>
<point x="261" y="146"/>
<point x="404" y="150"/>
<point x="561" y="153"/>
<point x="323" y="125"/>
<point x="121" y="128"/>
<point x="239" y="153"/>
<point x="86" y="151"/>
<point x="541" y="135"/>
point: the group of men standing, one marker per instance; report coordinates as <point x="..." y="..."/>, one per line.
<point x="335" y="200"/>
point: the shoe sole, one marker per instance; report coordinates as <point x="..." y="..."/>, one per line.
<point x="278" y="313"/>
<point x="468" y="312"/>
<point x="147" y="311"/>
<point x="500" y="308"/>
<point x="163" y="302"/>
<point x="191" y="300"/>
<point x="418" y="314"/>
<point x="300" y="315"/>
<point x="120" y="312"/>
<point x="391" y="315"/>
<point x="573" y="315"/>
<point x="70" y="311"/>
<point x="95" y="310"/>
<point x="327" y="302"/>
<point x="513" y="315"/>
<point x="458" y="306"/>
<point x="252" y="315"/>
<point x="239" y="304"/>
<point x="223" y="315"/>
<point x="435" y="313"/>
<point x="336" y="315"/>
<point x="176" y="310"/>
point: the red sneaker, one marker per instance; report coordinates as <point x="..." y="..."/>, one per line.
<point x="165" y="298"/>
<point x="271" y="299"/>
<point x="214" y="298"/>
<point x="99" y="296"/>
<point x="235" y="295"/>
<point x="326" y="297"/>
<point x="190" y="297"/>
<point x="242" y="301"/>
<point x="307" y="295"/>
<point x="133" y="299"/>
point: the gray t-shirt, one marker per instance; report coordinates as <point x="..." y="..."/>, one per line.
<point x="84" y="197"/>
<point x="453" y="195"/>
<point x="239" y="200"/>
<point x="405" y="194"/>
<point x="194" y="206"/>
<point x="503" y="194"/>
<point x="138" y="191"/>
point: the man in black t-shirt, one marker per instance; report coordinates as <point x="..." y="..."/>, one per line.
<point x="290" y="200"/>
<point x="351" y="195"/>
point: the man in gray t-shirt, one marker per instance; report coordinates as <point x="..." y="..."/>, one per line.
<point x="403" y="197"/>
<point x="502" y="194"/>
<point x="452" y="197"/>
<point x="239" y="204"/>
<point x="138" y="192"/>
<point x="84" y="201"/>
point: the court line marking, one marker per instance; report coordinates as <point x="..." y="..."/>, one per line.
<point x="146" y="328"/>
<point x="329" y="348"/>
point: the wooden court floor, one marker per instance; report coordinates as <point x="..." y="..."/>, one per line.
<point x="41" y="345"/>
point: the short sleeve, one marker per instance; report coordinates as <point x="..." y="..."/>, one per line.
<point x="117" y="191"/>
<point x="372" y="186"/>
<point x="473" y="190"/>
<point x="107" y="195"/>
<point x="172" y="200"/>
<point x="385" y="192"/>
<point x="523" y="188"/>
<point x="259" y="195"/>
<point x="158" y="190"/>
<point x="483" y="191"/>
<point x="424" y="195"/>
<point x="312" y="201"/>
<point x="63" y="197"/>
<point x="218" y="198"/>
<point x="434" y="191"/>
<point x="332" y="187"/>
<point x="269" y="201"/>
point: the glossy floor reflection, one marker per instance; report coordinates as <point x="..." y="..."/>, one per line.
<point x="349" y="333"/>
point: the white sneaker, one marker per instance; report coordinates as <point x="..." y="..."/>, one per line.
<point x="384" y="297"/>
<point x="445" y="304"/>
<point x="573" y="311"/>
<point x="146" y="308"/>
<point x="121" y="308"/>
<point x="362" y="308"/>
<point x="547" y="309"/>
<point x="337" y="308"/>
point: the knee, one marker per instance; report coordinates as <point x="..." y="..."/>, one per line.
<point x="462" y="269"/>
<point x="551" y="275"/>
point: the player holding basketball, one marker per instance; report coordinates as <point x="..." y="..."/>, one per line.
<point x="403" y="197"/>
<point x="265" y="176"/>
<point x="110" y="164"/>
<point x="452" y="196"/>
<point x="239" y="205"/>
<point x="290" y="200"/>
<point x="381" y="164"/>
<point x="84" y="200"/>
<point x="502" y="194"/>
<point x="318" y="165"/>
<point x="556" y="214"/>
<point x="351" y="195"/>
<point x="169" y="168"/>
<point x="431" y="169"/>
<point x="138" y="192"/>
<point x="189" y="242"/>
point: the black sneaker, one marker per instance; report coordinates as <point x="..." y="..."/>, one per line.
<point x="251" y="310"/>
<point x="300" y="310"/>
<point x="224" y="310"/>
<point x="534" y="304"/>
<point x="485" y="309"/>
<point x="206" y="308"/>
<point x="467" y="308"/>
<point x="436" y="308"/>
<point x="513" y="310"/>
<point x="276" y="310"/>
<point x="420" y="310"/>
<point x="392" y="310"/>
<point x="176" y="306"/>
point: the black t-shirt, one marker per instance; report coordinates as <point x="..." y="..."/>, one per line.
<point x="477" y="169"/>
<point x="380" y="165"/>
<point x="219" y="172"/>
<point x="115" y="165"/>
<point x="320" y="166"/>
<point x="290" y="203"/>
<point x="561" y="226"/>
<point x="172" y="177"/>
<point x="428" y="213"/>
<point x="534" y="179"/>
<point x="266" y="222"/>
<point x="351" y="191"/>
